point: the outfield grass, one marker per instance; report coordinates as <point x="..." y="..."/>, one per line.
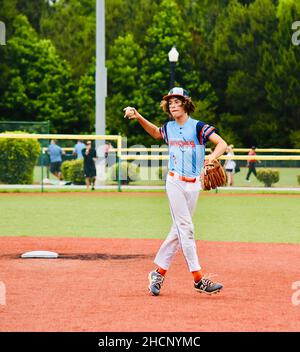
<point x="288" y="178"/>
<point x="217" y="218"/>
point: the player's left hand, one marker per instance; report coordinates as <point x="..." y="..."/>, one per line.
<point x="209" y="161"/>
<point x="213" y="176"/>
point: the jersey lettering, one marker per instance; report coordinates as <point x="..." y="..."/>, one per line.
<point x="186" y="145"/>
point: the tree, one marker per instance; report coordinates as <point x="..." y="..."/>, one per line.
<point x="239" y="53"/>
<point x="200" y="18"/>
<point x="169" y="29"/>
<point x="283" y="70"/>
<point x="33" y="10"/>
<point x="71" y="26"/>
<point x="38" y="83"/>
<point x="7" y="14"/>
<point x="85" y="100"/>
<point x="236" y="59"/>
<point x="128" y="17"/>
<point x="123" y="85"/>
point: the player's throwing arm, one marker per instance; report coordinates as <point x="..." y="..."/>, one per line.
<point x="131" y="113"/>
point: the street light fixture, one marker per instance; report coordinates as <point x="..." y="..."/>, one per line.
<point x="173" y="58"/>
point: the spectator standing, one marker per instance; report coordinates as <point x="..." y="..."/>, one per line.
<point x="55" y="153"/>
<point x="78" y="147"/>
<point x="89" y="159"/>
<point x="107" y="148"/>
<point x="230" y="166"/>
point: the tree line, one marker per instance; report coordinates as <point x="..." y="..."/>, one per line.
<point x="236" y="58"/>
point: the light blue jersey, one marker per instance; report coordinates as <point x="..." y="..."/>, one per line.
<point x="54" y="152"/>
<point x="186" y="145"/>
<point x="78" y="149"/>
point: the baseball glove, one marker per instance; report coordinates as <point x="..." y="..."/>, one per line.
<point x="213" y="176"/>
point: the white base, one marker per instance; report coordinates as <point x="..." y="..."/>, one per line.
<point x="39" y="254"/>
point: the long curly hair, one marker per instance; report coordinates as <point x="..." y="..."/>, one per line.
<point x="187" y="104"/>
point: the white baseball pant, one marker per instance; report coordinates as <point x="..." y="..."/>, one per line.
<point x="182" y="198"/>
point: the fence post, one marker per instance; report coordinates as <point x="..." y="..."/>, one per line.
<point x="42" y="173"/>
<point x="119" y="174"/>
<point x="119" y="146"/>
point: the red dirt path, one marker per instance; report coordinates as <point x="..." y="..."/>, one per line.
<point x="110" y="294"/>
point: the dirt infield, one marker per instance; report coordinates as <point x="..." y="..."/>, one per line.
<point x="101" y="285"/>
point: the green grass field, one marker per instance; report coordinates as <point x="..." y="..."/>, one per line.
<point x="217" y="218"/>
<point x="288" y="178"/>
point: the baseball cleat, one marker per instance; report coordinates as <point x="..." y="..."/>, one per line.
<point x="155" y="282"/>
<point x="207" y="286"/>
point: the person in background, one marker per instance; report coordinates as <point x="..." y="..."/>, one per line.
<point x="77" y="151"/>
<point x="251" y="163"/>
<point x="55" y="153"/>
<point x="230" y="166"/>
<point x="107" y="148"/>
<point x="89" y="159"/>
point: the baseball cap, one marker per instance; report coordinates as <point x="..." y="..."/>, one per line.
<point x="176" y="92"/>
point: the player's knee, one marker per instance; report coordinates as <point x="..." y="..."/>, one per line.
<point x="187" y="234"/>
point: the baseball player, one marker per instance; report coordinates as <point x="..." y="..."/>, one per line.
<point x="186" y="139"/>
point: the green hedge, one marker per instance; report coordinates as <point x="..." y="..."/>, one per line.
<point x="268" y="176"/>
<point x="72" y="170"/>
<point x="129" y="172"/>
<point x="298" y="179"/>
<point x="17" y="159"/>
<point x="65" y="167"/>
<point x="162" y="172"/>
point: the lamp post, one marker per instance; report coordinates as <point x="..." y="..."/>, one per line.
<point x="100" y="68"/>
<point x="173" y="58"/>
<point x="101" y="88"/>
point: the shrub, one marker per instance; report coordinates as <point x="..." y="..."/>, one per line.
<point x="268" y="176"/>
<point x="298" y="179"/>
<point x="162" y="172"/>
<point x="129" y="172"/>
<point x="65" y="170"/>
<point x="72" y="170"/>
<point x="17" y="159"/>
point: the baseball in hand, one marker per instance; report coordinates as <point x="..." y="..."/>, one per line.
<point x="129" y="112"/>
